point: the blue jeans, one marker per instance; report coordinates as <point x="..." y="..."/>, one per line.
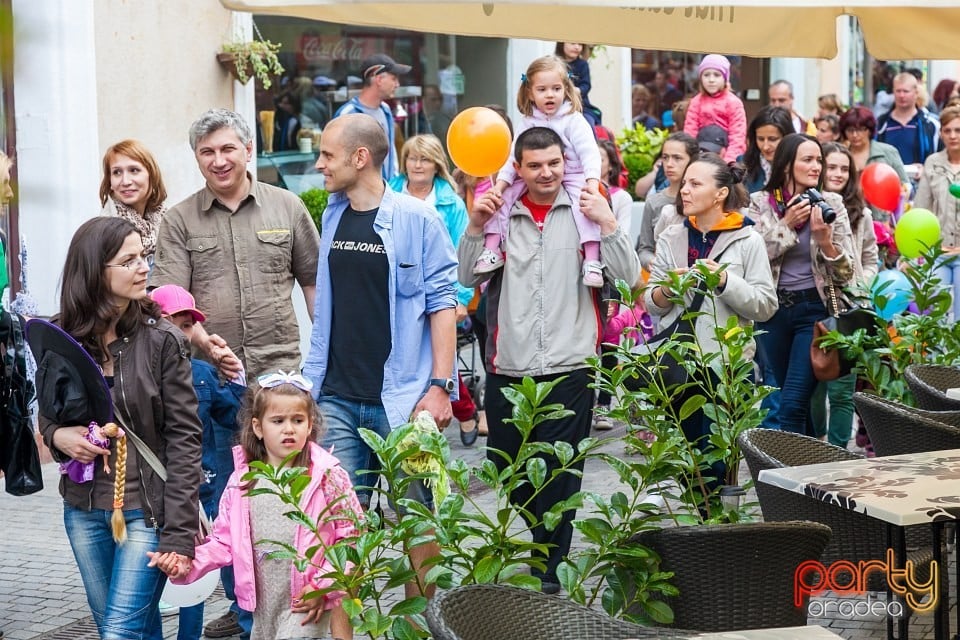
<point x="786" y="346"/>
<point x="949" y="273"/>
<point x="122" y="591"/>
<point x="344" y="419"/>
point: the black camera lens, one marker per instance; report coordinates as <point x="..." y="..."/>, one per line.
<point x="826" y="211"/>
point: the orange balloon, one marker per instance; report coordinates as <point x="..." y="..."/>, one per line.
<point x="478" y="141"/>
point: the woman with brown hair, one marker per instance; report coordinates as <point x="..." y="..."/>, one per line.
<point x="144" y="359"/>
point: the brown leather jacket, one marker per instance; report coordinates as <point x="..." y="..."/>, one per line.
<point x="153" y="390"/>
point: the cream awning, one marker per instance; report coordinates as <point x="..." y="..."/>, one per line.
<point x="928" y="29"/>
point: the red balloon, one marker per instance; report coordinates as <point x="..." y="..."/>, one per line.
<point x="881" y="186"/>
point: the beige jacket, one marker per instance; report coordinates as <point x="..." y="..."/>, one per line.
<point x="933" y="193"/>
<point x="749" y="293"/>
<point x="780" y="237"/>
<point x="541" y="319"/>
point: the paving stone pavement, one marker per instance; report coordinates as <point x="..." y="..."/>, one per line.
<point x="41" y="595"/>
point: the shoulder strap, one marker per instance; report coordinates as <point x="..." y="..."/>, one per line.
<point x="142" y="449"/>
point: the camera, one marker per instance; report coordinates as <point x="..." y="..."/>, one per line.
<point x="814" y="197"/>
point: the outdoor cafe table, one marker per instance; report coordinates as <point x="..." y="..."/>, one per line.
<point x="905" y="490"/>
<point x="811" y="632"/>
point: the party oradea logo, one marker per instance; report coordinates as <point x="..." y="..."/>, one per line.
<point x="845" y="578"/>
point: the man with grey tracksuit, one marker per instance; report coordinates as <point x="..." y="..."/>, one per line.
<point x="542" y="321"/>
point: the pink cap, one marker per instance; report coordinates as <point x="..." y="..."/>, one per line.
<point x="174" y="299"/>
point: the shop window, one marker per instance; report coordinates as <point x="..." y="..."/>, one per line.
<point x="322" y="63"/>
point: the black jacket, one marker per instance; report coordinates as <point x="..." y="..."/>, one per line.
<point x="153" y="391"/>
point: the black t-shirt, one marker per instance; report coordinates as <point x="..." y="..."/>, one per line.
<point x="360" y="330"/>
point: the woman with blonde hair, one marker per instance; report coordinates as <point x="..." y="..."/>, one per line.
<point x="425" y="174"/>
<point x="132" y="188"/>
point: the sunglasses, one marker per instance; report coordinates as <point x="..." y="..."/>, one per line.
<point x="270" y="380"/>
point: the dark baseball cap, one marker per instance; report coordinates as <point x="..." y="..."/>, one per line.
<point x="381" y="63"/>
<point x="712" y="138"/>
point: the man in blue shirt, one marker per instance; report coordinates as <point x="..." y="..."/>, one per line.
<point x="913" y="131"/>
<point x="384" y="332"/>
<point x="380" y="81"/>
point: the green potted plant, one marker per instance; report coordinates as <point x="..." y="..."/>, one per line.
<point x="640" y="148"/>
<point x="316" y="201"/>
<point x="253" y="58"/>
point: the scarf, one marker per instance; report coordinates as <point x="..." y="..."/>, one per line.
<point x="148" y="224"/>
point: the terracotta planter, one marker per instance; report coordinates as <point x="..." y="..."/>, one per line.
<point x="229" y="62"/>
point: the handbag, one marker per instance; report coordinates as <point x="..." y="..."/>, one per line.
<point x="830" y="364"/>
<point x="19" y="456"/>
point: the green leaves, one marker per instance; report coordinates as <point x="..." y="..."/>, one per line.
<point x="640" y="148"/>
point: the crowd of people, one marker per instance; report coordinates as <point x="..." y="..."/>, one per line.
<point x="411" y="251"/>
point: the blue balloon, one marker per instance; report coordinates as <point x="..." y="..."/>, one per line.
<point x="893" y="287"/>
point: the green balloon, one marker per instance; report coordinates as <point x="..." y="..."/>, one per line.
<point x="917" y="230"/>
<point x="955" y="189"/>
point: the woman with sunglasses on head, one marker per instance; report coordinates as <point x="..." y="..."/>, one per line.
<point x="132" y="188"/>
<point x="145" y="362"/>
<point x="809" y="249"/>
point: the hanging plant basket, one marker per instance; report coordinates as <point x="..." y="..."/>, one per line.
<point x="229" y="62"/>
<point x="252" y="59"/>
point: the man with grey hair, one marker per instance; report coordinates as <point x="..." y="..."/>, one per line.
<point x="780" y="94"/>
<point x="238" y="245"/>
<point x="377" y="363"/>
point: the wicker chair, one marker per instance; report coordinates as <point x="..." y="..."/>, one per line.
<point x="856" y="536"/>
<point x="736" y="576"/>
<point x="929" y="384"/>
<point x="492" y="611"/>
<point x="896" y="429"/>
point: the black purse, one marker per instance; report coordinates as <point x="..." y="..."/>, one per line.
<point x="830" y="364"/>
<point x="672" y="372"/>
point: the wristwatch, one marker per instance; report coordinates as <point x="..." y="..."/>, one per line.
<point x="447" y="384"/>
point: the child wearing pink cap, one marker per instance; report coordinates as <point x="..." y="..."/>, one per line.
<point x="716" y="104"/>
<point x="218" y="404"/>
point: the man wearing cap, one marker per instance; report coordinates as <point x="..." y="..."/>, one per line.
<point x="379" y="73"/>
<point x="712" y="139"/>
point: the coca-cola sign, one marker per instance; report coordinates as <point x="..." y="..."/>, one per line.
<point x="325" y="49"/>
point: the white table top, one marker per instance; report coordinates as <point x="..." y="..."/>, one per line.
<point x="903" y="490"/>
<point x="810" y="632"/>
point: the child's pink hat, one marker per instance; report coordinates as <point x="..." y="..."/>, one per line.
<point x="716" y="62"/>
<point x="174" y="299"/>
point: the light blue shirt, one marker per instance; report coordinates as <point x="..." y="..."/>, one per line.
<point x="423" y="275"/>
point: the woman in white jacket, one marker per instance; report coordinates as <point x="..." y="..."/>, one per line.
<point x="714" y="233"/>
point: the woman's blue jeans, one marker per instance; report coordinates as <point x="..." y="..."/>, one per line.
<point x="786" y="345"/>
<point x="948" y="271"/>
<point x="121" y="590"/>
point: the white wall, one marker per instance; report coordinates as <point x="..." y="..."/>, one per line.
<point x="89" y="74"/>
<point x="56" y="119"/>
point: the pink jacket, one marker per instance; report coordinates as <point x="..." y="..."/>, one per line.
<point x="637" y="317"/>
<point x="231" y="541"/>
<point x="725" y="110"/>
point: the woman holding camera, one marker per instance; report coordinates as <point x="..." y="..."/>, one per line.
<point x="810" y="245"/>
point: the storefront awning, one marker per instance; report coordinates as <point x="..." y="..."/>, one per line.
<point x="804" y="28"/>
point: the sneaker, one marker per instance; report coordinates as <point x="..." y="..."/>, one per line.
<point x="223" y="627"/>
<point x="488" y="261"/>
<point x="167" y="609"/>
<point x="602" y="423"/>
<point x="592" y="274"/>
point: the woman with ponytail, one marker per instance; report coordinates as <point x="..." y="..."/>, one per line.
<point x="714" y="235"/>
<point x="122" y="509"/>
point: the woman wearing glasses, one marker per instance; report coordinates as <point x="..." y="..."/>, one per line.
<point x="857" y="128"/>
<point x="132" y="188"/>
<point x="146" y="363"/>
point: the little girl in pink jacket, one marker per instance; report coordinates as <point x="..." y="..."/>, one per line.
<point x="283" y="419"/>
<point x="716" y="104"/>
